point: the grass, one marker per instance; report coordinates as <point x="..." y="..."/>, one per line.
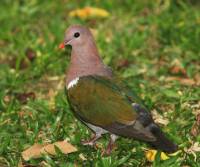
<point x="140" y="40"/>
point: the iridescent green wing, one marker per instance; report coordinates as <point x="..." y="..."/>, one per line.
<point x="102" y="102"/>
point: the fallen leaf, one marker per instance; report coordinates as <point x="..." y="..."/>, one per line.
<point x="183" y="81"/>
<point x="64" y="147"/>
<point x="158" y="118"/>
<point x="88" y="12"/>
<point x="195" y="131"/>
<point x="177" y="68"/>
<point x="37" y="150"/>
<point x="151" y="155"/>
<point x="195" y="147"/>
<point x="32" y="152"/>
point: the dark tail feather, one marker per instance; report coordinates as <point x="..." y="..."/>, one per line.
<point x="162" y="143"/>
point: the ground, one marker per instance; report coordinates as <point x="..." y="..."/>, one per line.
<point x="153" y="45"/>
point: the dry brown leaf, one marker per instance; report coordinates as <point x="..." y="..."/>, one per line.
<point x="32" y="152"/>
<point x="158" y="118"/>
<point x="64" y="147"/>
<point x="195" y="147"/>
<point x="183" y="81"/>
<point x="177" y="68"/>
<point x="37" y="150"/>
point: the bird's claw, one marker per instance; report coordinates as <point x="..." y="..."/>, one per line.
<point x="108" y="150"/>
<point x="88" y="143"/>
<point x="91" y="142"/>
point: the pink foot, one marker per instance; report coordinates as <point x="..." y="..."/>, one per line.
<point x="111" y="145"/>
<point x="92" y="141"/>
<point x="108" y="150"/>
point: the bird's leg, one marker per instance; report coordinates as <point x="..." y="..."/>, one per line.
<point x="110" y="145"/>
<point x="92" y="141"/>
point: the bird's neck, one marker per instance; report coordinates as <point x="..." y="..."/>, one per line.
<point x="85" y="63"/>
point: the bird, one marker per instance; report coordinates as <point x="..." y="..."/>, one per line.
<point x="104" y="103"/>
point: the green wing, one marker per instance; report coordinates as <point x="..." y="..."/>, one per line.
<point x="126" y="90"/>
<point x="103" y="102"/>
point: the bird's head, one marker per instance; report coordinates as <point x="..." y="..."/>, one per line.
<point x="76" y="35"/>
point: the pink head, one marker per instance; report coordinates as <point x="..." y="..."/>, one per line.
<point x="85" y="59"/>
<point x="78" y="36"/>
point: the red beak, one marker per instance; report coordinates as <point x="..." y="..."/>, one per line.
<point x="62" y="45"/>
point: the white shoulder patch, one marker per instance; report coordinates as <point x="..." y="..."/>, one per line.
<point x="72" y="83"/>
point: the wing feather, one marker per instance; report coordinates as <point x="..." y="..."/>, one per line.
<point x="101" y="102"/>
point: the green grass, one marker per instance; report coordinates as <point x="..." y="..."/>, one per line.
<point x="150" y="35"/>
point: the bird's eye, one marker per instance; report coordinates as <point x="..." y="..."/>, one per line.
<point x="77" y="34"/>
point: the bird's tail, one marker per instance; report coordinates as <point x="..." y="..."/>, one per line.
<point x="161" y="143"/>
